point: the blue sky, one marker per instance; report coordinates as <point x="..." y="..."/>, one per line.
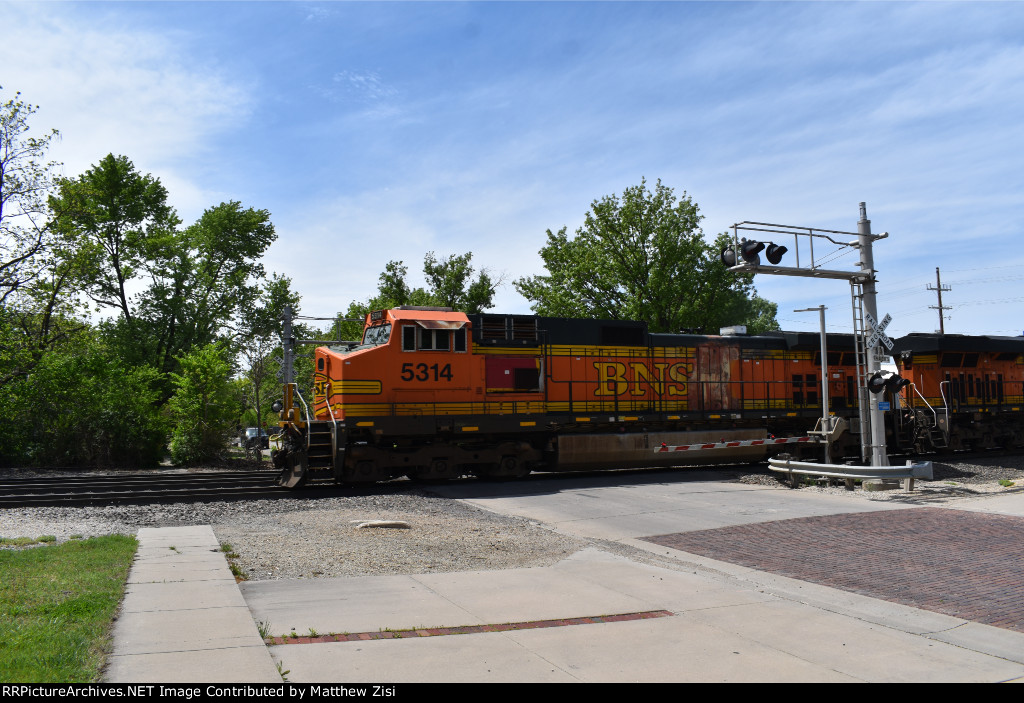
<point x="382" y="130"/>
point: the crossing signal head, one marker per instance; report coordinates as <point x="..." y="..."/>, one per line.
<point x="887" y="381"/>
<point x="895" y="383"/>
<point x="876" y="384"/>
<point x="774" y="253"/>
<point x="749" y="250"/>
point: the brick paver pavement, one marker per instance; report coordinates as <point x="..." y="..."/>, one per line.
<point x="965" y="564"/>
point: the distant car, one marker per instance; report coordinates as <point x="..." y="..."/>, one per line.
<point x="255" y="437"/>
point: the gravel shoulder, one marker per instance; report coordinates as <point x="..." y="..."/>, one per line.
<point x="302" y="538"/>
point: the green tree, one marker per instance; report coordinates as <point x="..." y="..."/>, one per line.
<point x="205" y="281"/>
<point x="84" y="406"/>
<point x="259" y="343"/>
<point x="643" y="257"/>
<point x="39" y="274"/>
<point x="122" y="217"/>
<point x="200" y="281"/>
<point x="452" y="286"/>
<point x="25" y="180"/>
<point x="203" y="409"/>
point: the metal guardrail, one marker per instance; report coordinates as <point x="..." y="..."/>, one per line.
<point x="909" y="472"/>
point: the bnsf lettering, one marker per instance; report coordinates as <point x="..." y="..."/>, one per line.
<point x="636" y="378"/>
<point x="422" y="372"/>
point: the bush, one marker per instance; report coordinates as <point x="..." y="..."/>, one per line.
<point x="203" y="409"/>
<point x="82" y="406"/>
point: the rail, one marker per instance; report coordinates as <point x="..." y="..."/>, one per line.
<point x="909" y="472"/>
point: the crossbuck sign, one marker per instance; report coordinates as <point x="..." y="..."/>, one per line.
<point x="878" y="331"/>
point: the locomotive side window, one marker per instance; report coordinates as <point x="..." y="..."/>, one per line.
<point x="434" y="340"/>
<point x="416" y="338"/>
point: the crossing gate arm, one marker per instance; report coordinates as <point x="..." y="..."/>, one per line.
<point x="770" y="442"/>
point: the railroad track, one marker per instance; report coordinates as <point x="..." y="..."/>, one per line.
<point x="144" y="488"/>
<point x="138" y="488"/>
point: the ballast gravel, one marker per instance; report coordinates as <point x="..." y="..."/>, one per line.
<point x="301" y="538"/>
<point x="298" y="538"/>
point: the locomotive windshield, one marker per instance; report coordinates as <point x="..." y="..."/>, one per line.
<point x="377" y="335"/>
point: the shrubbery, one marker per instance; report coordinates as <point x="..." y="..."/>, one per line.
<point x="84" y="408"/>
<point x="202" y="410"/>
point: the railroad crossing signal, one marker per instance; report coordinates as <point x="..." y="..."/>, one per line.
<point x="749" y="251"/>
<point x="878" y="334"/>
<point x="887" y="381"/>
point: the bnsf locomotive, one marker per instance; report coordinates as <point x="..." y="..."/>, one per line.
<point x="966" y="393"/>
<point x="434" y="394"/>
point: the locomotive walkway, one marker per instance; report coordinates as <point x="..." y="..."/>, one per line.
<point x="768" y="585"/>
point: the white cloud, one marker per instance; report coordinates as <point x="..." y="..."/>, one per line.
<point x="109" y="87"/>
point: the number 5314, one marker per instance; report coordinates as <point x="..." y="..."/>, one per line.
<point x="422" y="372"/>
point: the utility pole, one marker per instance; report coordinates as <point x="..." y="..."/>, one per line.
<point x="867" y="267"/>
<point x="938" y="288"/>
<point x="288" y="348"/>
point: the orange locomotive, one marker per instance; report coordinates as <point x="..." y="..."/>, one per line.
<point x="432" y="393"/>
<point x="967" y="393"/>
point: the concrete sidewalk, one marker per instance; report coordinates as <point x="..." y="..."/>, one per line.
<point x="185" y="620"/>
<point x="728" y="624"/>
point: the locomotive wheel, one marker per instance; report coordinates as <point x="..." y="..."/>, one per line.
<point x="294" y="473"/>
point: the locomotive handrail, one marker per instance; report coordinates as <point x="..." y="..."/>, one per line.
<point x="308" y="416"/>
<point x="334" y="420"/>
<point x="935" y="413"/>
<point x="945" y="403"/>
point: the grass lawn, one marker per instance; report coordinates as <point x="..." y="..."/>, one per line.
<point x="57" y="603"/>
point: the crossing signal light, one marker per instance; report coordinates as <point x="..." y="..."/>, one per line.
<point x="749" y="251"/>
<point x="876" y="384"/>
<point x="887" y="381"/>
<point x="774" y="253"/>
<point x="897" y="383"/>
